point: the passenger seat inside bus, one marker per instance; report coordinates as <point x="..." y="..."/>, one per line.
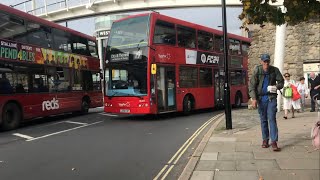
<point x="20" y="89"/>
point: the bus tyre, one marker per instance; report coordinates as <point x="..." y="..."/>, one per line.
<point x="84" y="107"/>
<point x="187" y="105"/>
<point x="238" y="99"/>
<point x="11" y="117"/>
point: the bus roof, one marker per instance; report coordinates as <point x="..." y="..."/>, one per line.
<point x="188" y="24"/>
<point x="42" y="21"/>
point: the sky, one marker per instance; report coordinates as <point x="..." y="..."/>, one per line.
<point x="206" y="16"/>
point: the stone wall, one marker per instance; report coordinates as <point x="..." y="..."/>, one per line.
<point x="302" y="44"/>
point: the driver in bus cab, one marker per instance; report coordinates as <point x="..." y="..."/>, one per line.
<point x="132" y="82"/>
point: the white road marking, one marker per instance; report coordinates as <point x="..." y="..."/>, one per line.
<point x="183" y="148"/>
<point x="73" y="122"/>
<point x="105" y="114"/>
<point x="22" y="135"/>
<point x="63" y="131"/>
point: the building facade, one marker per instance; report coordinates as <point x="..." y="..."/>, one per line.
<point x="302" y="48"/>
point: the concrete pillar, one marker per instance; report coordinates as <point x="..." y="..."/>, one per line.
<point x="279" y="52"/>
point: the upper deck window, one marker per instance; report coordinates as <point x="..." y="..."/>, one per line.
<point x="164" y="33"/>
<point x="218" y="43"/>
<point x="245" y="48"/>
<point x="93" y="49"/>
<point x="129" y="33"/>
<point x="61" y="40"/>
<point x="39" y="35"/>
<point x="12" y="28"/>
<point x="205" y="41"/>
<point x="234" y="47"/>
<point x="186" y="37"/>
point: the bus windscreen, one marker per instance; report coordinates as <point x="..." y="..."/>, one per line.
<point x="130" y="33"/>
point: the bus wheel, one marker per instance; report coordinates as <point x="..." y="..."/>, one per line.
<point x="11" y="116"/>
<point x="238" y="100"/>
<point x="187" y="105"/>
<point x="84" y="106"/>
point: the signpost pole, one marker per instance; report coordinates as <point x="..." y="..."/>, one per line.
<point x="226" y="69"/>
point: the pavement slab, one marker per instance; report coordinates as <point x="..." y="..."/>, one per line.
<point x="202" y="175"/>
<point x="235" y="156"/>
<point x="209" y="156"/>
<point x="299" y="163"/>
<point x="289" y="174"/>
<point x="227" y="147"/>
<point x="216" y="165"/>
<point x="236" y="175"/>
<point x="251" y="165"/>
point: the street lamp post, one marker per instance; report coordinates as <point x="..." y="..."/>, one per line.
<point x="226" y="69"/>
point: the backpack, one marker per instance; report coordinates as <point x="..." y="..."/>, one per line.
<point x="315" y="135"/>
<point x="287" y="92"/>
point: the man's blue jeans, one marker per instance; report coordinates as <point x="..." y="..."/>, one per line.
<point x="267" y="111"/>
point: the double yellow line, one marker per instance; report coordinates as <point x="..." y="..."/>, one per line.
<point x="175" y="158"/>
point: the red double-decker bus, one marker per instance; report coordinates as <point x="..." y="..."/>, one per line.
<point x="45" y="69"/>
<point x="157" y="64"/>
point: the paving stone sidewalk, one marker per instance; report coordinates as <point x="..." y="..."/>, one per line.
<point x="237" y="153"/>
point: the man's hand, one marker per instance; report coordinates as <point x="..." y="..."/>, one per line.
<point x="254" y="103"/>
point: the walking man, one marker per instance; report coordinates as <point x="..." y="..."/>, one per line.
<point x="314" y="82"/>
<point x="263" y="86"/>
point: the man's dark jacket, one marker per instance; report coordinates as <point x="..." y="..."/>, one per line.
<point x="256" y="81"/>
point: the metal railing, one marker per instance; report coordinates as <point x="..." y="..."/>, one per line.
<point x="45" y="8"/>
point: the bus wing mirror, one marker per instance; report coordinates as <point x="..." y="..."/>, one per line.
<point x="153" y="69"/>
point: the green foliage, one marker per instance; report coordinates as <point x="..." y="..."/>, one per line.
<point x="261" y="11"/>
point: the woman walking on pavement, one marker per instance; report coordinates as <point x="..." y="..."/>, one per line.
<point x="264" y="83"/>
<point x="288" y="103"/>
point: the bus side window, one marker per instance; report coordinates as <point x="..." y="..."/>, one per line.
<point x="39" y="35"/>
<point x="5" y="85"/>
<point x="164" y="33"/>
<point x="186" y="37"/>
<point x="12" y="28"/>
<point x="205" y="41"/>
<point x="61" y="40"/>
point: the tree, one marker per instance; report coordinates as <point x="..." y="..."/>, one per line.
<point x="261" y="11"/>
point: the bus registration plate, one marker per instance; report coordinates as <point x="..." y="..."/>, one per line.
<point x="125" y="110"/>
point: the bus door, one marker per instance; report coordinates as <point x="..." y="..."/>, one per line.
<point x="166" y="90"/>
<point x="219" y="87"/>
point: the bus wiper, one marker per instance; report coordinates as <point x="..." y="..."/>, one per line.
<point x="142" y="40"/>
<point x="138" y="46"/>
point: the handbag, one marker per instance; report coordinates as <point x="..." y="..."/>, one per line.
<point x="295" y="93"/>
<point x="287" y="92"/>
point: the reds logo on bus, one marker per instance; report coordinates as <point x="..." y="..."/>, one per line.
<point x="50" y="105"/>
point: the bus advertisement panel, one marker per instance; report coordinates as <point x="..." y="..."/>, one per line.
<point x="45" y="69"/>
<point x="157" y="64"/>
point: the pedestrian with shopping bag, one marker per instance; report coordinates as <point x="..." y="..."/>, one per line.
<point x="263" y="86"/>
<point x="290" y="96"/>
